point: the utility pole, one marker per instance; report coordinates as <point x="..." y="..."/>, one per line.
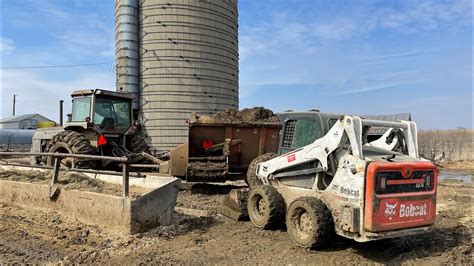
<point x="61" y="104"/>
<point x="14" y="104"/>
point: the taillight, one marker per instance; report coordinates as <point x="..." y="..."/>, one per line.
<point x="394" y="182"/>
<point x="101" y="141"/>
<point x="428" y="180"/>
<point x="382" y="183"/>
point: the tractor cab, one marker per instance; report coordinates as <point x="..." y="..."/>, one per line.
<point x="104" y="111"/>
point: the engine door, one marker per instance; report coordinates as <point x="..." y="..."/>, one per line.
<point x="400" y="195"/>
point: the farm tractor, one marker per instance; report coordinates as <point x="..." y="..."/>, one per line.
<point x="329" y="179"/>
<point x="100" y="124"/>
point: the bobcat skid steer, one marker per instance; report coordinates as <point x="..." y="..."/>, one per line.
<point x="328" y="179"/>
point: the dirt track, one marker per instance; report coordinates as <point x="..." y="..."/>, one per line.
<point x="36" y="237"/>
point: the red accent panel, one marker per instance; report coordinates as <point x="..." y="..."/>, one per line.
<point x="398" y="210"/>
<point x="407" y="181"/>
<point x="206" y="144"/>
<point x="291" y="157"/>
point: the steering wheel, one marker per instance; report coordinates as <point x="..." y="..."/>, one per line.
<point x="107" y="123"/>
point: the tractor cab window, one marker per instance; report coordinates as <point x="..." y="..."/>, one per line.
<point x="299" y="133"/>
<point x="112" y="115"/>
<point x="81" y="109"/>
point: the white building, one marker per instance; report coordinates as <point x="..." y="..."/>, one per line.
<point x="29" y="121"/>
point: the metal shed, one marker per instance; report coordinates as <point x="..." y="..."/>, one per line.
<point x="28" y="121"/>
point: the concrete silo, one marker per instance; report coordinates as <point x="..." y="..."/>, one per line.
<point x="188" y="62"/>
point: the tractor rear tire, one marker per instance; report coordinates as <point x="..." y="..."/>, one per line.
<point x="252" y="178"/>
<point x="138" y="145"/>
<point x="266" y="207"/>
<point x="74" y="143"/>
<point x="309" y="223"/>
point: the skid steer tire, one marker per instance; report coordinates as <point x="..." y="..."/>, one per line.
<point x="252" y="179"/>
<point x="309" y="223"/>
<point x="74" y="143"/>
<point x="266" y="207"/>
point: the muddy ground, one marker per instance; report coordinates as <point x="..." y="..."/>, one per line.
<point x="200" y="235"/>
<point x="466" y="166"/>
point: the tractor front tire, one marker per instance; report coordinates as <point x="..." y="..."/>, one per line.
<point x="72" y="142"/>
<point x="252" y="178"/>
<point x="309" y="223"/>
<point x="266" y="207"/>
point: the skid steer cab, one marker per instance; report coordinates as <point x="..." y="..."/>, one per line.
<point x="100" y="124"/>
<point x="329" y="179"/>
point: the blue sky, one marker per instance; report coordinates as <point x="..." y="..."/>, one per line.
<point x="359" y="57"/>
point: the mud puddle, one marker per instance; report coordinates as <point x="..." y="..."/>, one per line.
<point x="455" y="175"/>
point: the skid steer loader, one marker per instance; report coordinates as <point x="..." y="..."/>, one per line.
<point x="100" y="124"/>
<point x="328" y="179"/>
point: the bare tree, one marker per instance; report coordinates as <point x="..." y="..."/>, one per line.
<point x="453" y="144"/>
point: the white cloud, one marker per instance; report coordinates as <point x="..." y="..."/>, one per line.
<point x="75" y="33"/>
<point x="407" y="17"/>
<point x="41" y="93"/>
<point x="74" y="36"/>
<point x="378" y="87"/>
<point x="372" y="88"/>
<point x="7" y="45"/>
<point x="352" y="21"/>
<point x="329" y="50"/>
<point x="395" y="56"/>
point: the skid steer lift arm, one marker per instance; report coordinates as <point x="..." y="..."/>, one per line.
<point x="346" y="127"/>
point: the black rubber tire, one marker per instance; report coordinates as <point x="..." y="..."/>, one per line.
<point x="266" y="207"/>
<point x="309" y="223"/>
<point x="252" y="179"/>
<point x="138" y="145"/>
<point x="75" y="143"/>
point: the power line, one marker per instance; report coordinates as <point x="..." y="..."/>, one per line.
<point x="56" y="66"/>
<point x="35" y="103"/>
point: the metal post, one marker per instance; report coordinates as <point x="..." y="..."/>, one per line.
<point x="125" y="179"/>
<point x="61" y="105"/>
<point x="57" y="165"/>
<point x="14" y="104"/>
